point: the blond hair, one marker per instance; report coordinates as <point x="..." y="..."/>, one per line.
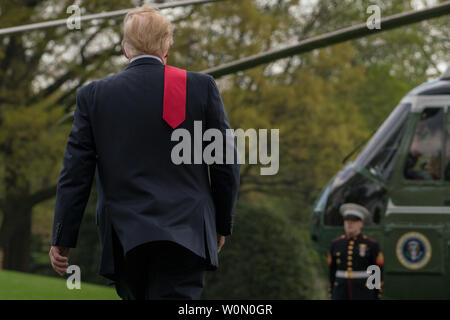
<point x="146" y="31"/>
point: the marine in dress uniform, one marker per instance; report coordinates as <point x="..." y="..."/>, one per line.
<point x="349" y="257"/>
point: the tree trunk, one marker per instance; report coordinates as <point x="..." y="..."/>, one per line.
<point x="16" y="238"/>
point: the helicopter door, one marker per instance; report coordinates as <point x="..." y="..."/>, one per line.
<point x="417" y="210"/>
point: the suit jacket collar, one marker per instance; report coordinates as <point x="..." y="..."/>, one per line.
<point x="145" y="60"/>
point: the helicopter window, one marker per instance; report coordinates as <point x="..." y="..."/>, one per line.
<point x="382" y="163"/>
<point x="320" y="206"/>
<point x="355" y="188"/>
<point x="381" y="138"/>
<point x="424" y="157"/>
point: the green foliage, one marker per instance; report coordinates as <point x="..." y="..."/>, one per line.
<point x="32" y="144"/>
<point x="377" y="101"/>
<point x="267" y="257"/>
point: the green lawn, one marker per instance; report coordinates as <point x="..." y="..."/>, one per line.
<point x="25" y="286"/>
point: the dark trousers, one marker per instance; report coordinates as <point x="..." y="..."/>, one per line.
<point x="160" y="270"/>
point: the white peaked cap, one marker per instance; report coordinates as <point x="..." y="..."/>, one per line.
<point x="354" y="209"/>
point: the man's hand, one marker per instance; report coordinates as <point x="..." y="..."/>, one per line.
<point x="220" y="241"/>
<point x="59" y="257"/>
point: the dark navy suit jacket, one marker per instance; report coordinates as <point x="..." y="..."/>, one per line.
<point x="119" y="135"/>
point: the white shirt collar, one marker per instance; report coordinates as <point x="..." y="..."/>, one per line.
<point x="145" y="56"/>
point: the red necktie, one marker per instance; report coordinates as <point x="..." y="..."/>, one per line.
<point x="174" y="107"/>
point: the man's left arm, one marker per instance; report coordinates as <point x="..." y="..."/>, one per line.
<point x="75" y="180"/>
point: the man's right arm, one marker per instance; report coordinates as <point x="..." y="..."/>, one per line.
<point x="225" y="178"/>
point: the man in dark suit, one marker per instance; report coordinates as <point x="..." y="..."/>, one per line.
<point x="161" y="224"/>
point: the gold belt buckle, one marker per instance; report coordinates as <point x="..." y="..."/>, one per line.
<point x="350" y="274"/>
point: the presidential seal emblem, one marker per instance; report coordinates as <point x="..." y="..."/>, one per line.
<point x="413" y="250"/>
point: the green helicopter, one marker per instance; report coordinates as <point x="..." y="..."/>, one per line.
<point x="402" y="176"/>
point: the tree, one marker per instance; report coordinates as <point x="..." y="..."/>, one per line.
<point x="30" y="144"/>
<point x="266" y="258"/>
<point x="37" y="88"/>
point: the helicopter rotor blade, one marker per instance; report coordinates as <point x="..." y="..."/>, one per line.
<point x="102" y="15"/>
<point x="345" y="34"/>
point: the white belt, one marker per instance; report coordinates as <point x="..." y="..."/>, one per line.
<point x="351" y="274"/>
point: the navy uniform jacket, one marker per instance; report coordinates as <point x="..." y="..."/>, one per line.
<point x="119" y="135"/>
<point x="353" y="255"/>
